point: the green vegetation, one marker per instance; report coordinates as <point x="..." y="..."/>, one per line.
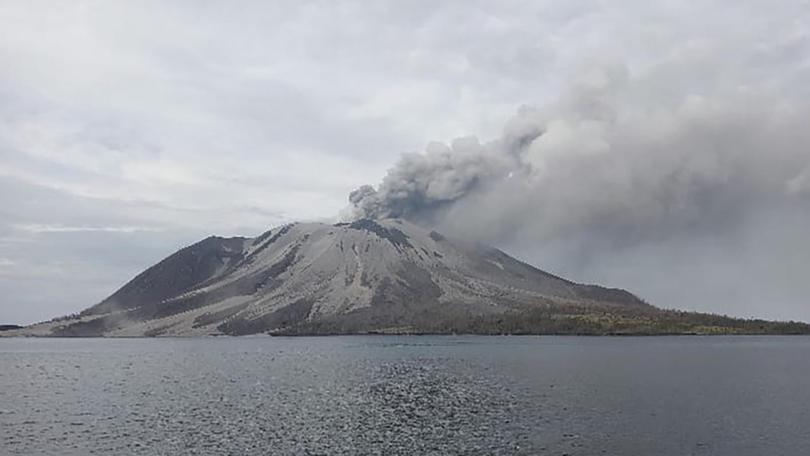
<point x="630" y="322"/>
<point x="573" y="320"/>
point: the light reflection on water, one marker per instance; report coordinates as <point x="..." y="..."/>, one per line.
<point x="406" y="395"/>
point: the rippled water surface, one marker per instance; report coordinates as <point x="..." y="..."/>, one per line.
<point x="406" y="395"/>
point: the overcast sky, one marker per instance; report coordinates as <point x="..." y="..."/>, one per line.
<point x="129" y="129"/>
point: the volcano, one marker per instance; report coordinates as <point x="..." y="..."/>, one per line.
<point x="368" y="276"/>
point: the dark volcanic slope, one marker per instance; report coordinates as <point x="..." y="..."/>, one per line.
<point x="189" y="267"/>
<point x="365" y="276"/>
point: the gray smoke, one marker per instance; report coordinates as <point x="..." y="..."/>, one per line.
<point x="711" y="188"/>
<point x="422" y="184"/>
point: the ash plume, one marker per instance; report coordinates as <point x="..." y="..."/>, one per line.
<point x="609" y="173"/>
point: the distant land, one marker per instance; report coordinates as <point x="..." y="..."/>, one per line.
<point x="369" y="277"/>
<point x="9" y="327"/>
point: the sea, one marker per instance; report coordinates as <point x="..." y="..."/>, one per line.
<point x="406" y="395"/>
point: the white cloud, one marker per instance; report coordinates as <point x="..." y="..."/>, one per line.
<point x="36" y="228"/>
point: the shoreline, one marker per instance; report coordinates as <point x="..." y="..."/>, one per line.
<point x="420" y="334"/>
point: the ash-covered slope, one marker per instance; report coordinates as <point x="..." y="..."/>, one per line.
<point x="387" y="276"/>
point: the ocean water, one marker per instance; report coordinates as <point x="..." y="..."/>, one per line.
<point x="413" y="395"/>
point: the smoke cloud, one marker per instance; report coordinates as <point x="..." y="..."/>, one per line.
<point x="693" y="198"/>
